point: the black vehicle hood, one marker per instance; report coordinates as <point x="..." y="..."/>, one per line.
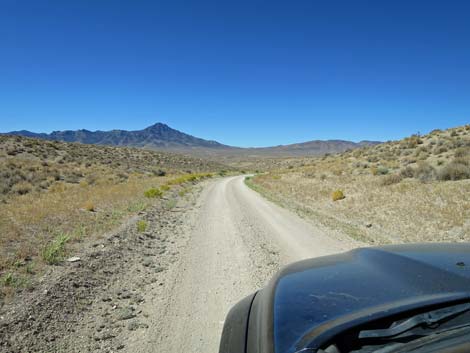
<point x="311" y="300"/>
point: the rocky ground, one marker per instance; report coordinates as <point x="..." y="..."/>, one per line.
<point x="97" y="302"/>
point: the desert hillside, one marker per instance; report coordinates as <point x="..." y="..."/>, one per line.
<point x="30" y="164"/>
<point x="415" y="189"/>
<point x="54" y="195"/>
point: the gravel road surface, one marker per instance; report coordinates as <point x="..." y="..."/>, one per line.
<point x="237" y="241"/>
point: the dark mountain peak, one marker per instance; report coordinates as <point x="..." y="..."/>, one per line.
<point x="160" y="129"/>
<point x="159" y="126"/>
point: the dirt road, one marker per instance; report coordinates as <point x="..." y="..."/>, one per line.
<point x="168" y="289"/>
<point x="237" y="241"/>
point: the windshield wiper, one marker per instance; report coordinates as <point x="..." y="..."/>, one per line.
<point x="427" y="319"/>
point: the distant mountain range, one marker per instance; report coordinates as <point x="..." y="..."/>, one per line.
<point x="157" y="136"/>
<point x="162" y="137"/>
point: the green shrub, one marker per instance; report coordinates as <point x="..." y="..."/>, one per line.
<point x="141" y="226"/>
<point x="137" y="206"/>
<point x="153" y="193"/>
<point x="15" y="280"/>
<point x="337" y="195"/>
<point x="8" y="279"/>
<point x="382" y="170"/>
<point x="183" y="192"/>
<point x="54" y="252"/>
<point x="170" y="204"/>
<point x="30" y="268"/>
<point x="165" y="187"/>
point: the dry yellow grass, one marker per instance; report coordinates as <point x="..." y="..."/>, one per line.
<point x="55" y="195"/>
<point x="390" y="198"/>
<point x="30" y="221"/>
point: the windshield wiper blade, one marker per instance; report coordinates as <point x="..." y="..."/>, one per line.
<point x="425" y="319"/>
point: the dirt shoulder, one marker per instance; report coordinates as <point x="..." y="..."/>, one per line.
<point x="96" y="303"/>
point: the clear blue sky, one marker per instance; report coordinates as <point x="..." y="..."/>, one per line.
<point x="246" y="73"/>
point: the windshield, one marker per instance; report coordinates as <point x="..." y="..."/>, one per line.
<point x="444" y="326"/>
